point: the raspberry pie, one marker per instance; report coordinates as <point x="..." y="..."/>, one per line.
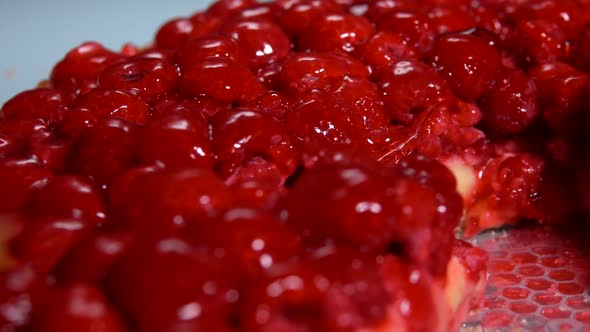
<point x="291" y="166"/>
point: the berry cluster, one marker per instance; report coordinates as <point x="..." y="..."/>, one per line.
<point x="299" y="165"/>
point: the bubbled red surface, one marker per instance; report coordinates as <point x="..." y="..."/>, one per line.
<point x="537" y="281"/>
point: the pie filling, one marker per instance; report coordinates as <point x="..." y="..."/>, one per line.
<point x="291" y="166"/>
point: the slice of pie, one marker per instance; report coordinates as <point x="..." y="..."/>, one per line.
<point x="291" y="166"/>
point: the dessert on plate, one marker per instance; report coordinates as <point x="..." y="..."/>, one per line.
<point x="291" y="166"/>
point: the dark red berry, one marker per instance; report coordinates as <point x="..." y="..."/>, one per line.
<point x="416" y="28"/>
<point x="467" y="62"/>
<point x="511" y="105"/>
<point x="69" y="197"/>
<point x="336" y="32"/>
<point x="260" y="41"/>
<point x="78" y="72"/>
<point x="235" y="144"/>
<point x="222" y="79"/>
<point x="196" y="292"/>
<point x="148" y="77"/>
<point x="175" y="140"/>
<point x="77" y="307"/>
<point x="113" y="103"/>
<point x="43" y="103"/>
<point x="104" y="150"/>
<point x="44" y="241"/>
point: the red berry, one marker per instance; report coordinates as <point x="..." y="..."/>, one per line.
<point x="90" y="260"/>
<point x="410" y="87"/>
<point x="113" y="103"/>
<point x="295" y="15"/>
<point x="562" y="95"/>
<point x="104" y="150"/>
<point x="194" y="292"/>
<point x="18" y="182"/>
<point x="260" y="41"/>
<point x="320" y="119"/>
<point x="226" y="8"/>
<point x="378" y="8"/>
<point x="467" y="62"/>
<point x="336" y="32"/>
<point x="451" y="19"/>
<point x="77" y="307"/>
<point x="51" y="153"/>
<point x="306" y="71"/>
<point x="212" y="46"/>
<point x="411" y="288"/>
<point x="235" y="143"/>
<point x="222" y="79"/>
<point x="568" y="15"/>
<point x="511" y="105"/>
<point x="252" y="241"/>
<point x="157" y="203"/>
<point x="175" y="140"/>
<point x="42" y="103"/>
<point x="538" y="42"/>
<point x="78" y="72"/>
<point x="383" y="49"/>
<point x="340" y="290"/>
<point x="148" y="77"/>
<point x="68" y="197"/>
<point x="44" y="241"/>
<point x="416" y="28"/>
<point x="257" y="183"/>
<point x="175" y="33"/>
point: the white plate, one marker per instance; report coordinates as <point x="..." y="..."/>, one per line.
<point x="34" y="35"/>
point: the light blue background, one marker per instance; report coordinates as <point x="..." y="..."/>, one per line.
<point x="35" y="34"/>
